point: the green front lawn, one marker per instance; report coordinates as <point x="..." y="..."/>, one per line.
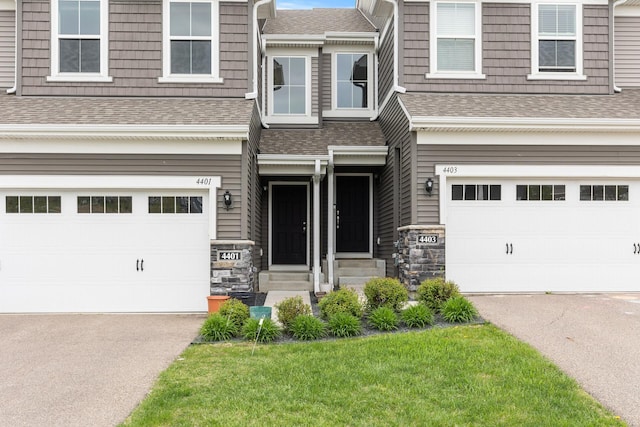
<point x="468" y="375"/>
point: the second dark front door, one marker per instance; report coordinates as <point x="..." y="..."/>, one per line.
<point x="352" y="214"/>
<point x="289" y="224"/>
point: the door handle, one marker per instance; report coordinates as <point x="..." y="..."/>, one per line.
<point x="304" y="226"/>
<point x="509" y="248"/>
<point x="140" y="265"/>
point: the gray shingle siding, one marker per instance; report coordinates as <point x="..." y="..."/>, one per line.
<point x="385" y="72"/>
<point x="506" y="52"/>
<point x="627" y="50"/>
<point x="7" y="48"/>
<point x="135" y="53"/>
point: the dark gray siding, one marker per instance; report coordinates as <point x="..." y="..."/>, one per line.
<point x="395" y="191"/>
<point x="506" y="33"/>
<point x="325" y="78"/>
<point x="135" y="53"/>
<point x="7" y="47"/>
<point x="226" y="166"/>
<point x="254" y="188"/>
<point x="430" y="155"/>
<point x="385" y="71"/>
<point x="627" y="50"/>
<point x="315" y="80"/>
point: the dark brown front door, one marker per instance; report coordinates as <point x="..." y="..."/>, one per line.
<point x="352" y="214"/>
<point x="289" y="224"/>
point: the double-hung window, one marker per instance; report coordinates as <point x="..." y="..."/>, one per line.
<point x="190" y="44"/>
<point x="455" y="40"/>
<point x="352" y="80"/>
<point x="557" y="41"/>
<point x="79" y="45"/>
<point x="289" y="85"/>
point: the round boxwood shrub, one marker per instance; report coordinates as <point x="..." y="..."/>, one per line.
<point x="385" y="292"/>
<point x="344" y="300"/>
<point x="269" y="331"/>
<point x="434" y="292"/>
<point x="290" y="308"/>
<point x="307" y="327"/>
<point x="417" y="316"/>
<point x="218" y="328"/>
<point x="235" y="310"/>
<point x="458" y="310"/>
<point x="384" y="319"/>
<point x="344" y="325"/>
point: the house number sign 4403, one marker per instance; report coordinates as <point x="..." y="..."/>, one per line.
<point x="429" y="239"/>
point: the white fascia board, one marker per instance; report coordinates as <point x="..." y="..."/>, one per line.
<point x="278" y="164"/>
<point x="627" y="10"/>
<point x="7" y="4"/>
<point x="78" y="182"/>
<point x="357" y="155"/>
<point x="367" y="37"/>
<point x="521" y="124"/>
<point x="536" y="171"/>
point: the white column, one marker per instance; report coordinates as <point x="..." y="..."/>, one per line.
<point x="331" y="221"/>
<point x="316" y="227"/>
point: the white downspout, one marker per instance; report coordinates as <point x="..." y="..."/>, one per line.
<point x="316" y="227"/>
<point x="15" y="56"/>
<point x="331" y="221"/>
<point x="396" y="49"/>
<point x="254" y="93"/>
<point x="613" y="43"/>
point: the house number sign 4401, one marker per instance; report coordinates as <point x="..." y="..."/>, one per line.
<point x="429" y="239"/>
<point x="229" y="256"/>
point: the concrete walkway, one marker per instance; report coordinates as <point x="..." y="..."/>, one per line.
<point x="84" y="370"/>
<point x="593" y="338"/>
<point x="274" y="297"/>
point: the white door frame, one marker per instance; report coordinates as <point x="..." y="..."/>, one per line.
<point x="282" y="267"/>
<point x="365" y="255"/>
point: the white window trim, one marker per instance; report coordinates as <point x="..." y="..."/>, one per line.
<point x="103" y="75"/>
<point x="433" y="45"/>
<point x="334" y="83"/>
<point x="305" y="118"/>
<point x="214" y="77"/>
<point x="574" y="75"/>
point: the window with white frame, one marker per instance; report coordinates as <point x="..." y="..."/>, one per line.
<point x="79" y="46"/>
<point x="289" y="85"/>
<point x="456" y="44"/>
<point x="557" y="41"/>
<point x="352" y="80"/>
<point x="190" y="48"/>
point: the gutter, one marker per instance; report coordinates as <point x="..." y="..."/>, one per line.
<point x="254" y="93"/>
<point x="396" y="20"/>
<point x="616" y="89"/>
<point x="13" y="89"/>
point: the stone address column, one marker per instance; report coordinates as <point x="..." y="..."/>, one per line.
<point x="232" y="266"/>
<point x="421" y="252"/>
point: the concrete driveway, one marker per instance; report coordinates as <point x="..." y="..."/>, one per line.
<point x="84" y="370"/>
<point x="593" y="338"/>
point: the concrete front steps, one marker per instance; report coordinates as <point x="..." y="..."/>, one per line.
<point x="357" y="272"/>
<point x="285" y="281"/>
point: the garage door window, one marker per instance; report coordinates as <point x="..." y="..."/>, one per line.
<point x="604" y="192"/>
<point x="104" y="204"/>
<point x="33" y="204"/>
<point x="175" y="204"/>
<point x="540" y="192"/>
<point x="476" y="192"/>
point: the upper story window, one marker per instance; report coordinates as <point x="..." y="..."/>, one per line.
<point x="557" y="42"/>
<point x="352" y="80"/>
<point x="190" y="42"/>
<point x="79" y="45"/>
<point x="456" y="41"/>
<point x="289" y="85"/>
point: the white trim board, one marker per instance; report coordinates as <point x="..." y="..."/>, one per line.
<point x="621" y="135"/>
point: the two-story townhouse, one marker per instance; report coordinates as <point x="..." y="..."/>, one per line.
<point x="126" y="153"/>
<point x="514" y="143"/>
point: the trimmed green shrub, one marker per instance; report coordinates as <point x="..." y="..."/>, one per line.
<point x="218" y="328"/>
<point x="385" y="292"/>
<point x="290" y="308"/>
<point x="307" y="327"/>
<point x="417" y="316"/>
<point x="269" y="332"/>
<point x="344" y="325"/>
<point x="434" y="292"/>
<point x="384" y="319"/>
<point x="458" y="310"/>
<point x="235" y="310"/>
<point x="344" y="300"/>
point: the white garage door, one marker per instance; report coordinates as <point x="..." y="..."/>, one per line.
<point x="543" y="235"/>
<point x="103" y="251"/>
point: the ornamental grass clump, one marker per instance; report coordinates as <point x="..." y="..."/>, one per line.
<point x="266" y="333"/>
<point x="434" y="292"/>
<point x="344" y="300"/>
<point x="458" y="310"/>
<point x="384" y="319"/>
<point x="417" y="316"/>
<point x="290" y="308"/>
<point x="343" y="325"/>
<point x="385" y="292"/>
<point x="235" y="310"/>
<point x="307" y="327"/>
<point x="218" y="328"/>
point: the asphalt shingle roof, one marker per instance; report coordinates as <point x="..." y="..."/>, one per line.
<point x="624" y="105"/>
<point x="318" y="21"/>
<point x="317" y="141"/>
<point x="17" y="110"/>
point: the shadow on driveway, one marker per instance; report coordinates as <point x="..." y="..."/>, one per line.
<point x="84" y="369"/>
